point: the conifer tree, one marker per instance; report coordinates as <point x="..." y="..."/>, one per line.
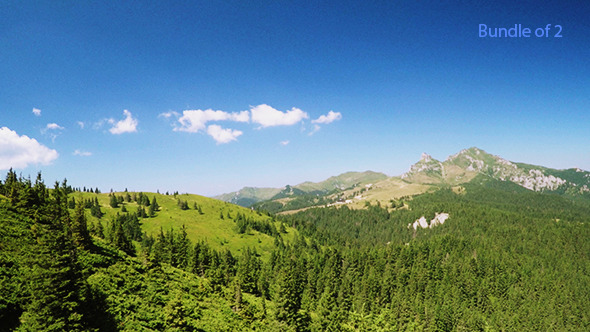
<point x="237" y="296"/>
<point x="99" y="229"/>
<point x="183" y="245"/>
<point x="79" y="227"/>
<point x="289" y="296"/>
<point x="55" y="281"/>
<point x="152" y="211"/>
<point x="72" y="203"/>
<point x="120" y="240"/>
<point x="114" y="203"/>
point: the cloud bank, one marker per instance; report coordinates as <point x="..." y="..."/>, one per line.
<point x="20" y="151"/>
<point x="195" y="121"/>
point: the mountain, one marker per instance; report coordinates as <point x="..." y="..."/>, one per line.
<point x="342" y="181"/>
<point x="465" y="165"/>
<point x="487" y="254"/>
<point x="428" y="174"/>
<point x="248" y="196"/>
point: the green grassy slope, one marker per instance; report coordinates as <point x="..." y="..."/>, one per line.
<point x="249" y="195"/>
<point x="219" y="233"/>
<point x="342" y="181"/>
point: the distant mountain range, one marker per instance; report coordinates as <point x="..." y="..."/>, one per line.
<point x="465" y="165"/>
<point x="248" y="196"/>
<point x="357" y="188"/>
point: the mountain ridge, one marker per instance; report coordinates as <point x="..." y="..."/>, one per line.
<point x="252" y="195"/>
<point x="426" y="174"/>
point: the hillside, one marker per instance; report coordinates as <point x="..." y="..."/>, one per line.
<point x="213" y="221"/>
<point x="429" y="174"/>
<point x="491" y="256"/>
<point x="249" y="196"/>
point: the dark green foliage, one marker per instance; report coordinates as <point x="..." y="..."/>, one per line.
<point x="182" y="250"/>
<point x="244" y="224"/>
<point x="123" y="229"/>
<point x="79" y="227"/>
<point x="291" y="283"/>
<point x="141" y="212"/>
<point x="249" y="266"/>
<point x="41" y="277"/>
<point x="182" y="204"/>
<point x="153" y="208"/>
<point x="298" y="202"/>
<point x="506" y="259"/>
<point x="113" y="201"/>
<point x="72" y="203"/>
<point x="502" y="250"/>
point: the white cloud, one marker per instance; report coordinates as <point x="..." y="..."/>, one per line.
<point x="331" y="117"/>
<point x="82" y="153"/>
<point x="325" y="119"/>
<point x="81" y="124"/>
<point x="52" y="130"/>
<point x="315" y="129"/>
<point x="195" y="120"/>
<point x="243" y="116"/>
<point x="222" y="136"/>
<point x="53" y="126"/>
<point x="167" y="115"/>
<point x="127" y="125"/>
<point x="36" y="111"/>
<point x="20" y="151"/>
<point x="267" y="116"/>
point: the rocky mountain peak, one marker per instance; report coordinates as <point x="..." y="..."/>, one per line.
<point x="425" y="157"/>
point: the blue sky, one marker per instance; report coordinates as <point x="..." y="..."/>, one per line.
<point x="208" y="97"/>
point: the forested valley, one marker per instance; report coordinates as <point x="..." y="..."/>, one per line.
<point x="507" y="259"/>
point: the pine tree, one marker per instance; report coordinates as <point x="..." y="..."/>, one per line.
<point x="160" y="248"/>
<point x="182" y="245"/>
<point x="152" y="211"/>
<point x="237" y="296"/>
<point x="289" y="296"/>
<point x="155" y="204"/>
<point x="249" y="270"/>
<point x="72" y="203"/>
<point x="79" y="227"/>
<point x="114" y="203"/>
<point x="120" y="240"/>
<point x="55" y="281"/>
